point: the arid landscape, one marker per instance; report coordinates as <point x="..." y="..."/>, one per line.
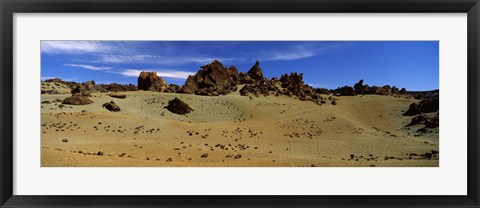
<point x="221" y="117"/>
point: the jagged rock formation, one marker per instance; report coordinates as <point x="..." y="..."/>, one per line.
<point x="344" y="91"/>
<point x="425" y="106"/>
<point x="361" y="89"/>
<point x="294" y="85"/>
<point x="111" y="106"/>
<point x="114" y="87"/>
<point x="77" y="99"/>
<point x="149" y="81"/>
<point x="173" y="88"/>
<point x="177" y="106"/>
<point x="289" y="84"/>
<point x="255" y="72"/>
<point x="424" y="114"/>
<point x="58" y="80"/>
<point x="212" y="79"/>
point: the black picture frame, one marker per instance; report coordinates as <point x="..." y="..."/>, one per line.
<point x="9" y="7"/>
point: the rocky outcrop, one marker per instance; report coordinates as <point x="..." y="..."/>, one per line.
<point x="429" y="122"/>
<point x="294" y="84"/>
<point x="177" y="106"/>
<point x="345" y="91"/>
<point x="173" y="88"/>
<point x="255" y="89"/>
<point x="58" y="80"/>
<point x="77" y="99"/>
<point x="114" y="87"/>
<point x="255" y="72"/>
<point x="361" y="89"/>
<point x="149" y="81"/>
<point x="111" y="106"/>
<point x="86" y="87"/>
<point x="425" y="106"/>
<point x="253" y="76"/>
<point x="212" y="79"/>
<point x="289" y="84"/>
<point x="424" y="114"/>
<point x="324" y="91"/>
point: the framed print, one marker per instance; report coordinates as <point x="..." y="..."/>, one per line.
<point x="247" y="104"/>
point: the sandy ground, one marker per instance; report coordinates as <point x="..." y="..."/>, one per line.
<point x="233" y="130"/>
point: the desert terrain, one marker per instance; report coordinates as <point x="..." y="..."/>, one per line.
<point x="232" y="130"/>
<point x="222" y="118"/>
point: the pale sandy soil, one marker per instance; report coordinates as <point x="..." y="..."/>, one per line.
<point x="265" y="131"/>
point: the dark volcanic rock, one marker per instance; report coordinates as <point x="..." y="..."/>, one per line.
<point x="71" y="85"/>
<point x="76" y="90"/>
<point x="178" y="106"/>
<point x="345" y="91"/>
<point x="255" y="89"/>
<point x="292" y="82"/>
<point x="173" y="88"/>
<point x="425" y="106"/>
<point x="430" y="122"/>
<point x="114" y="87"/>
<point x="88" y="86"/>
<point x="111" y="106"/>
<point x="233" y="74"/>
<point x="212" y="79"/>
<point x="151" y="82"/>
<point x="360" y="88"/>
<point x="245" y="78"/>
<point x="77" y="99"/>
<point x="255" y="72"/>
<point x="324" y="91"/>
<point x="292" y="85"/>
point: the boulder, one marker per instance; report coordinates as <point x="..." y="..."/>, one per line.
<point x="77" y="99"/>
<point x="212" y="79"/>
<point x="149" y="81"/>
<point x="111" y="106"/>
<point x="177" y="106"/>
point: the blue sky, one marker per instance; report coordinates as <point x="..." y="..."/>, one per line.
<point x="330" y="64"/>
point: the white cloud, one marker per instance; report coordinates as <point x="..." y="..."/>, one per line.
<point x="90" y="67"/>
<point x="73" y="47"/>
<point x="154" y="59"/>
<point x="64" y="79"/>
<point x="278" y="56"/>
<point x="164" y="73"/>
<point x="45" y="78"/>
<point x="319" y="85"/>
